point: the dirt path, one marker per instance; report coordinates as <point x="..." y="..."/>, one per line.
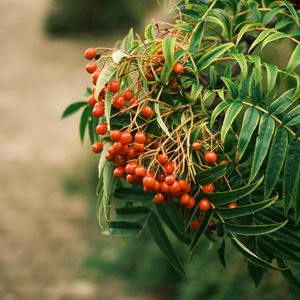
<point x="43" y="231"/>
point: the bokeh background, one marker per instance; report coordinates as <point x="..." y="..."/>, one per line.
<point x="50" y="244"/>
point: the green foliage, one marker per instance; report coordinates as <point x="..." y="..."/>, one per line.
<point x="254" y="123"/>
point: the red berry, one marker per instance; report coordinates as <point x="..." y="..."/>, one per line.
<point x="185" y="199"/>
<point x="115" y="135"/>
<point x="101" y="128"/>
<point x="98" y="112"/>
<point x="112" y="151"/>
<point x="131" y="167"/>
<point x="150" y="76"/>
<point x="126" y="138"/>
<point x="210" y="156"/>
<point x="97" y="147"/>
<point x="91" y="100"/>
<point x="173" y="84"/>
<point x="103" y="93"/>
<point x="209" y="188"/>
<point x="128" y="95"/>
<point x="223" y="162"/>
<point x="133" y="102"/>
<point x="159" y="69"/>
<point x="130" y="179"/>
<point x="117" y="146"/>
<point x="118" y="102"/>
<point x="183" y="185"/>
<point x="192" y="203"/>
<point x="232" y="205"/>
<point x="158" y="198"/>
<point x="91" y="67"/>
<point x="90" y="53"/>
<point x="140" y="137"/>
<point x="178" y="68"/>
<point x="148" y="182"/>
<point x="174" y="188"/>
<point x="159" y="52"/>
<point x="164" y="187"/>
<point x="162" y="158"/>
<point x="139" y="148"/>
<point x="147" y="111"/>
<point x="169" y="167"/>
<point x="120" y="161"/>
<point x="196" y="146"/>
<point x="114" y="86"/>
<point x="119" y="172"/>
<point x="204" y="204"/>
<point x="156" y="186"/>
<point x="170" y="179"/>
<point x="132" y="154"/>
<point x="140" y="171"/>
<point x="95" y="76"/>
<point x="195" y="224"/>
<point x="124" y="151"/>
<point x="109" y="157"/>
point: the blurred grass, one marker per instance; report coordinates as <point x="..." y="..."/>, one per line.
<point x="95" y="16"/>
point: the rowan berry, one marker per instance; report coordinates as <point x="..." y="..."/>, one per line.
<point x="90" y="53"/>
<point x="147" y="111"/>
<point x="178" y="68"/>
<point x="97" y="147"/>
<point x="91" y="67"/>
<point x="140" y="137"/>
<point x="115" y="135"/>
<point x="204" y="205"/>
<point x="101" y="128"/>
<point x="209" y="188"/>
<point x="232" y="205"/>
<point x="148" y="182"/>
<point x="128" y="95"/>
<point x="126" y="137"/>
<point x="162" y="158"/>
<point x="158" y="198"/>
<point x="114" y="86"/>
<point x="210" y="156"/>
<point x="170" y="179"/>
<point x="119" y="172"/>
<point x="118" y="102"/>
<point x="196" y="146"/>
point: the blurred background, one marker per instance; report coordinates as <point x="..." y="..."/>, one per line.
<point x="50" y="244"/>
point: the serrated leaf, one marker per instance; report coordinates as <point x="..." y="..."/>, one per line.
<point x="72" y="108"/>
<point x="278" y="249"/>
<point x="294" y="61"/>
<point x="273" y="37"/>
<point x="223" y="198"/>
<point x="282" y="102"/>
<point x="250" y="256"/>
<point x="208" y="58"/>
<point x="86" y="114"/>
<point x="164" y="243"/>
<point x="250" y="121"/>
<point x="251" y="230"/>
<point x="106" y="74"/>
<point x="276" y="159"/>
<point x="211" y="175"/>
<point x="293" y="117"/>
<point x="272" y="72"/>
<point x="244" y="210"/>
<point x="169" y="214"/>
<point x="291" y="175"/>
<point x="230" y="116"/>
<point x="230" y="87"/>
<point x="218" y="109"/>
<point x="198" y="234"/>
<point x="265" y="133"/>
<point x="241" y="60"/>
<point x="256" y="273"/>
<point x="124" y="229"/>
<point x="262" y="36"/>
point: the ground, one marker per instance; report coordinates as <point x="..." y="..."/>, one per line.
<point x="44" y="232"/>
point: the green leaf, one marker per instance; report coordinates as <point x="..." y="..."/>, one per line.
<point x="276" y="159"/>
<point x="273" y="37"/>
<point x="213" y="77"/>
<point x="198" y="234"/>
<point x="230" y="87"/>
<point x="107" y="111"/>
<point x="230" y="213"/>
<point x="278" y="249"/>
<point x="223" y="19"/>
<point x="106" y="74"/>
<point x="124" y="229"/>
<point x="223" y="198"/>
<point x="134" y="194"/>
<point x="208" y="58"/>
<point x="291" y="175"/>
<point x="149" y="32"/>
<point x="250" y="121"/>
<point x="221" y="254"/>
<point x="294" y="61"/>
<point x="293" y="117"/>
<point x="169" y="214"/>
<point x="250" y="256"/>
<point x="292" y="11"/>
<point x="230" y="116"/>
<point x="168" y="48"/>
<point x="253" y="229"/>
<point x="103" y="160"/>
<point x="241" y="60"/>
<point x="288" y="275"/>
<point x="72" y="108"/>
<point x="132" y="214"/>
<point x="244" y="29"/>
<point x="262" y="36"/>
<point x="265" y="133"/>
<point x="196" y="38"/>
<point x="272" y="72"/>
<point x="256" y="273"/>
<point x="211" y="175"/>
<point x="160" y="121"/>
<point x="86" y="114"/>
<point x="164" y="244"/>
<point x="282" y="102"/>
<point x="270" y="15"/>
<point x="218" y="109"/>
